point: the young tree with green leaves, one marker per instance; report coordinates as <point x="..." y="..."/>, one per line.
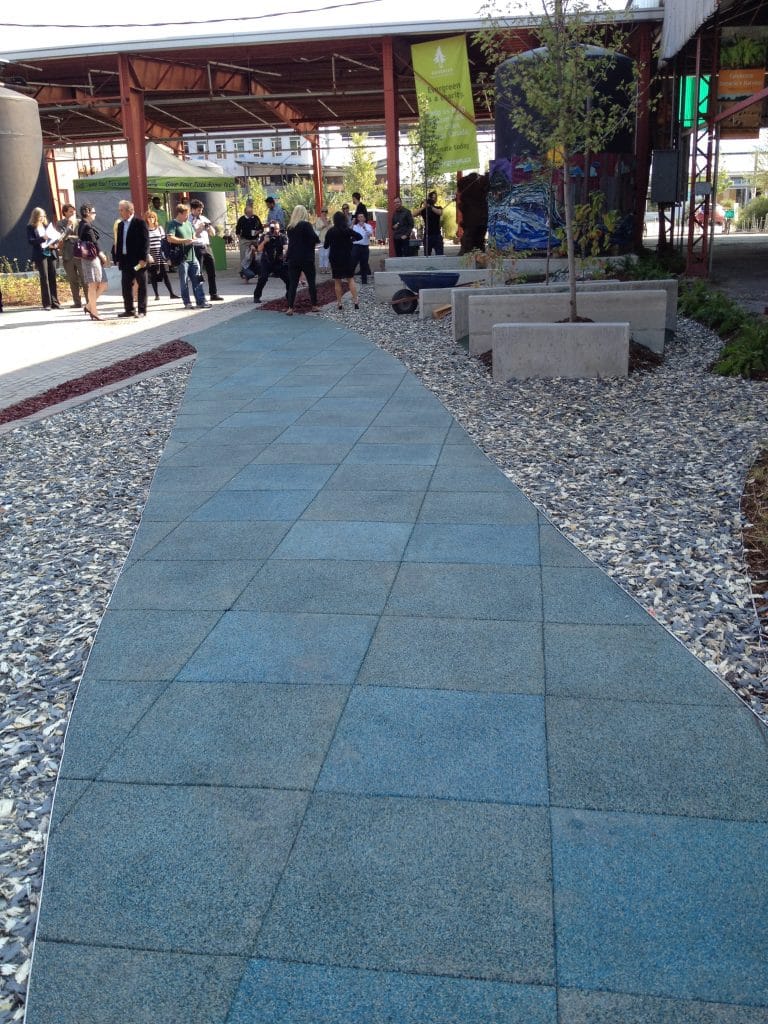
<point x="421" y="172"/>
<point x="564" y="110"/>
<point x="361" y="172"/>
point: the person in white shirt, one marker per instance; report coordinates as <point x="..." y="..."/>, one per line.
<point x="203" y="230"/>
<point x="361" y="248"/>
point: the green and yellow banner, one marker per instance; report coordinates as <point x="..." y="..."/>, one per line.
<point x="156" y="184"/>
<point x="444" y="93"/>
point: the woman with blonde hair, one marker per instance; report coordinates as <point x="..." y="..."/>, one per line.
<point x="44" y="257"/>
<point x="158" y="269"/>
<point x="301" y="256"/>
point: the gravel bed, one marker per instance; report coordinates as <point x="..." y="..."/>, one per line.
<point x="72" y="488"/>
<point x="643" y="474"/>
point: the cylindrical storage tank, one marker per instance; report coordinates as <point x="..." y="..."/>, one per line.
<point x="215" y="202"/>
<point x="511" y="142"/>
<point x="23" y="178"/>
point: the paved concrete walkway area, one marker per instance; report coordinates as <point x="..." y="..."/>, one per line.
<point x="363" y="739"/>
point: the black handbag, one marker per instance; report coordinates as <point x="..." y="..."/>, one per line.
<point x="85" y="250"/>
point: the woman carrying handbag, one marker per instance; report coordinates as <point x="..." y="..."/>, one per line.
<point x="92" y="260"/>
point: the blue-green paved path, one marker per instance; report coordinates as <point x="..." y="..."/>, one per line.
<point x="364" y="740"/>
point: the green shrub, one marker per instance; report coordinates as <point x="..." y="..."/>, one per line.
<point x="652" y="266"/>
<point x="754" y="212"/>
<point x="746" y="354"/>
<point x="710" y="307"/>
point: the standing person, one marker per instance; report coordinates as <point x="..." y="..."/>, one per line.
<point x="203" y="230"/>
<point x="346" y="214"/>
<point x="432" y="213"/>
<point x="321" y="226"/>
<point x="179" y="232"/>
<point x="275" y="212"/>
<point x="67" y="226"/>
<point x="271" y="249"/>
<point x="158" y="268"/>
<point x="156" y="206"/>
<point x="361" y="247"/>
<point x="44" y="257"/>
<point x="339" y="240"/>
<point x="301" y="256"/>
<point x="402" y="227"/>
<point x="92" y="268"/>
<point x="132" y="256"/>
<point x="248" y="229"/>
<point x="360" y="207"/>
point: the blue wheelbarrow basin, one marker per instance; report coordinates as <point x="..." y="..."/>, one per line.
<point x="429" y="279"/>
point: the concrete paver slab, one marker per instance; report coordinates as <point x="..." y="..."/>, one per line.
<point x="104" y="985"/>
<point x="231" y="734"/>
<point x="306" y="585"/>
<point x="649" y="905"/>
<point x="272" y="993"/>
<point x="442" y="744"/>
<point x="367" y="886"/>
<point x="282" y="647"/>
<point x="456" y="654"/>
<point x="626" y="662"/>
<point x="153" y="878"/>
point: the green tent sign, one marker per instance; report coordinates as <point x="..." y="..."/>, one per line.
<point x="158" y="184"/>
<point x="444" y="92"/>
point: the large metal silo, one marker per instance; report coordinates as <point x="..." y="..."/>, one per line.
<point x="23" y="178"/>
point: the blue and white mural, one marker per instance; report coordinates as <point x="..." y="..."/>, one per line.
<point x="519" y="215"/>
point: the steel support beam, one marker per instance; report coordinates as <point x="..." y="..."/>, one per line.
<point x="317" y="171"/>
<point x="53" y="182"/>
<point x="132" y="109"/>
<point x="700" y="198"/>
<point x="391" y="128"/>
<point x="643" y="133"/>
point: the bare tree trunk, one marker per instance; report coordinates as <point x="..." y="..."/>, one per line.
<point x="570" y="247"/>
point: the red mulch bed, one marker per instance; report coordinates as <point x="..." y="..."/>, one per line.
<point x="325" y="294"/>
<point x="122" y="370"/>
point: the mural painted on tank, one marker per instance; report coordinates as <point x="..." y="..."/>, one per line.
<point x="519" y="213"/>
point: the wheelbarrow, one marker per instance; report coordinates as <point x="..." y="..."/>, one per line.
<point x="406" y="300"/>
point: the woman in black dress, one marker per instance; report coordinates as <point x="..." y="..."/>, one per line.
<point x="339" y="241"/>
<point x="301" y="256"/>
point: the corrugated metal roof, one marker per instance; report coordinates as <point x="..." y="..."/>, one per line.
<point x="682" y="19"/>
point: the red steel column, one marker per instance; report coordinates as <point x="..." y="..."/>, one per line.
<point x="317" y="171"/>
<point x="132" y="110"/>
<point x="392" y="130"/>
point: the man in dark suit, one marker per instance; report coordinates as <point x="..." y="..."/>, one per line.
<point x="131" y="254"/>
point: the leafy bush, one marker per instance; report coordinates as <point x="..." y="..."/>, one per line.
<point x="755" y="211"/>
<point x="746" y="354"/>
<point x="711" y="308"/>
<point x="652" y="266"/>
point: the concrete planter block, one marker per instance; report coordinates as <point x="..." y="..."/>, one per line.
<point x="460" y="299"/>
<point x="387" y="282"/>
<point x="645" y="309"/>
<point x="560" y="350"/>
